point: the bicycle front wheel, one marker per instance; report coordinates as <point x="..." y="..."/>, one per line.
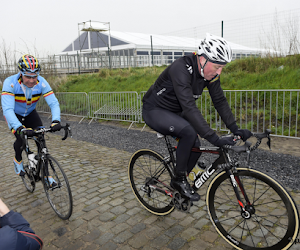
<point x="57" y="188"/>
<point x="150" y="179"/>
<point x="271" y="220"/>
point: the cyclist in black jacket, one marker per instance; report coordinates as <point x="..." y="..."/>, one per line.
<point x="169" y="105"/>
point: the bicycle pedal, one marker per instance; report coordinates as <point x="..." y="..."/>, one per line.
<point x="181" y="203"/>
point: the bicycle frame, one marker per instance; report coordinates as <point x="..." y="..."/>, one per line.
<point x="223" y="162"/>
<point x="41" y="145"/>
<point x="41" y="153"/>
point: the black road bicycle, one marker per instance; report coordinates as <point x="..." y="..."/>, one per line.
<point x="248" y="208"/>
<point x="41" y="166"/>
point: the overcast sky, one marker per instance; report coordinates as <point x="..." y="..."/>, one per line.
<point x="48" y="27"/>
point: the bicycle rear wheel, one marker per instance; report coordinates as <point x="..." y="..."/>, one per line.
<point x="272" y="221"/>
<point x="28" y="179"/>
<point x="59" y="195"/>
<point x="150" y="180"/>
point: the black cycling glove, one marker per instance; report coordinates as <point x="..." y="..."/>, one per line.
<point x="55" y="126"/>
<point x="243" y="133"/>
<point x="220" y="141"/>
<point x="19" y="129"/>
<point x="25" y="131"/>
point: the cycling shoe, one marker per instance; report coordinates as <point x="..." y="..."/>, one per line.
<point x="181" y="184"/>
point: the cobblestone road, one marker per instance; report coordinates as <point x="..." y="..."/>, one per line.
<point x="106" y="214"/>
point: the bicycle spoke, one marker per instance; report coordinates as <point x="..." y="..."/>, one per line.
<point x="28" y="179"/>
<point x="266" y="220"/>
<point x="262" y="232"/>
<point x="249" y="233"/>
<point x="254" y="201"/>
<point x="229" y="199"/>
<point x="269" y="231"/>
<point x="155" y="200"/>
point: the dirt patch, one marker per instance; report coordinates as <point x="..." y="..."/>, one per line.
<point x="282" y="145"/>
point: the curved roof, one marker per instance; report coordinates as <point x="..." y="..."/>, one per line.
<point x="89" y="41"/>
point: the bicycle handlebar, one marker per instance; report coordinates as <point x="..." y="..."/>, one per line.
<point x="247" y="146"/>
<point x="67" y="129"/>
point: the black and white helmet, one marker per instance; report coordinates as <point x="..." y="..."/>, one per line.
<point x="216" y="49"/>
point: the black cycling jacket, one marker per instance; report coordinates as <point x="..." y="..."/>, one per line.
<point x="177" y="88"/>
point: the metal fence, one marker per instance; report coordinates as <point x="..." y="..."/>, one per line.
<point x="118" y="106"/>
<point x="256" y="110"/>
<point x="71" y="104"/>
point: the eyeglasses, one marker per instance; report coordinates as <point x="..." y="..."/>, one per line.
<point x="29" y="76"/>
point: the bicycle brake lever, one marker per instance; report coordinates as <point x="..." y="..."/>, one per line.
<point x="248" y="151"/>
<point x="269" y="142"/>
<point x="70" y="131"/>
<point x="67" y="131"/>
<point x="268" y="132"/>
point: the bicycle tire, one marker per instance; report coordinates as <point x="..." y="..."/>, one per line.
<point x="149" y="179"/>
<point x="59" y="197"/>
<point x="274" y="223"/>
<point x="28" y="179"/>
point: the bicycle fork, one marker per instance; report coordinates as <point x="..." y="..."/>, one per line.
<point x="237" y="185"/>
<point x="45" y="164"/>
<point x="246" y="210"/>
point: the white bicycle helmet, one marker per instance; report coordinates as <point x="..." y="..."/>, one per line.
<point x="216" y="49"/>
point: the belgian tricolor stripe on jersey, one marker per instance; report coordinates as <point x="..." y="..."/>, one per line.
<point x="48" y="93"/>
<point x="7" y="93"/>
<point x="22" y="99"/>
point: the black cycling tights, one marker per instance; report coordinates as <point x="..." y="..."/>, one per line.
<point x="168" y="123"/>
<point x="33" y="121"/>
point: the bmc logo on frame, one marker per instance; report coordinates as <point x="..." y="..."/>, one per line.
<point x="296" y="241"/>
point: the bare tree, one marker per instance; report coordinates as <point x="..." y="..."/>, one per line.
<point x="282" y="36"/>
<point x="291" y="35"/>
<point x="6" y="61"/>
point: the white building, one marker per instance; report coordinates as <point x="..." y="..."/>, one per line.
<point x="126" y="49"/>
